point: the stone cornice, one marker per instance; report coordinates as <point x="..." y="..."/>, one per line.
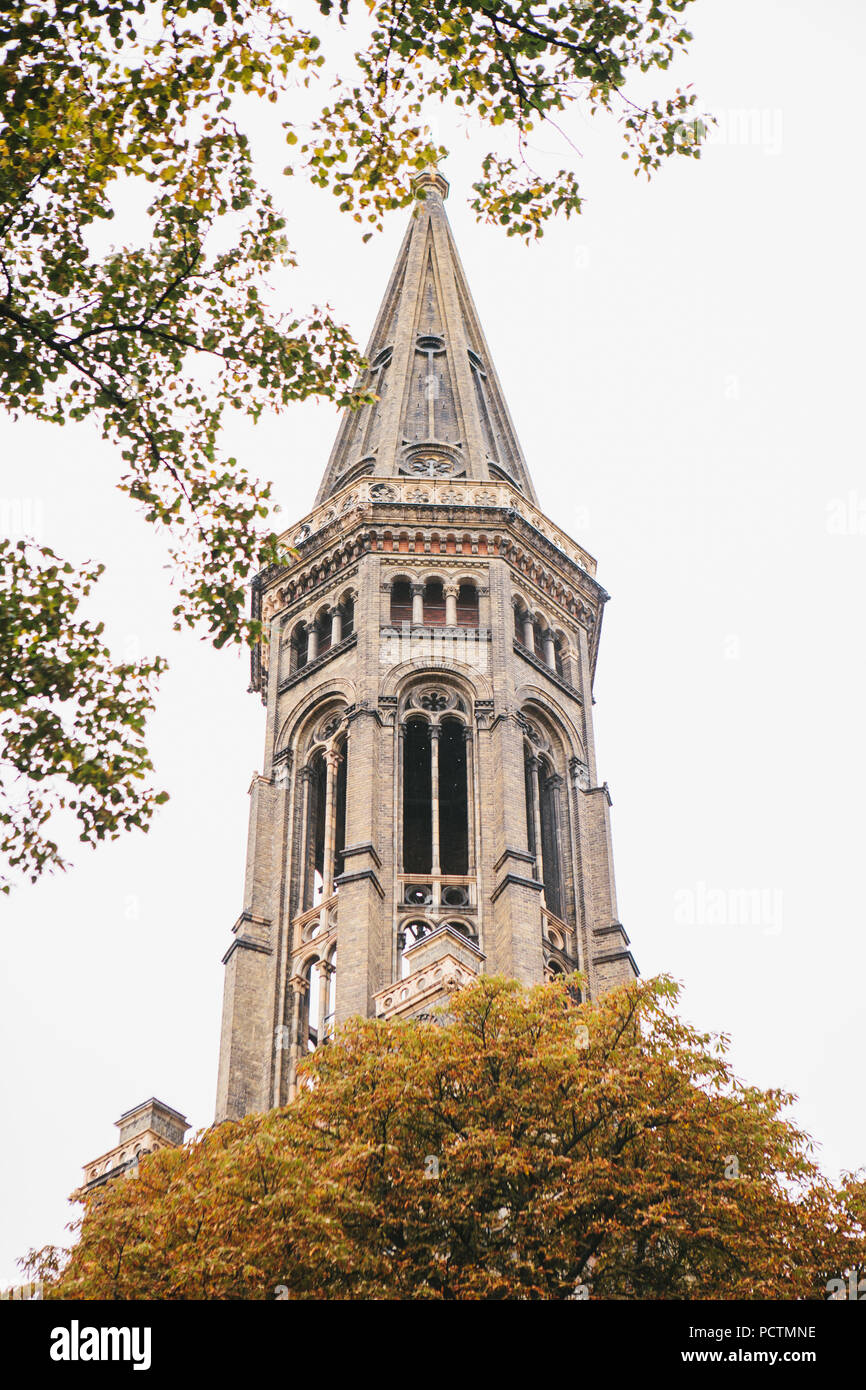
<point x="247" y="943"/>
<point x="546" y="670"/>
<point x="615" y="929"/>
<point x="311" y="666"/>
<point x="511" y="853"/>
<point x="342" y="523"/>
<point x="343" y="879"/>
<point x="443" y="495"/>
<point x="351" y="850"/>
<point x="518" y="879"/>
<point x="611" y="956"/>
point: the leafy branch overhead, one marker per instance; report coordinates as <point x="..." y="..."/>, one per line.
<point x="512" y="65"/>
<point x="155" y="342"/>
<point x="71" y="720"/>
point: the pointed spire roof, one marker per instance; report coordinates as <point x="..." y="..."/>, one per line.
<point x="441" y="411"/>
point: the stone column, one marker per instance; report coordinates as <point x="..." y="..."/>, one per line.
<point x="295" y="1041"/>
<point x="306" y="782"/>
<point x="332" y="762"/>
<point x="451" y="591"/>
<point x="528" y="632"/>
<point x="550" y="649"/>
<point x="364" y="930"/>
<point x="312" y="641"/>
<point x="554" y="784"/>
<point x="470" y="798"/>
<point x="324" y="970"/>
<point x="336" y="625"/>
<point x="417" y="604"/>
<point x="534" y="764"/>
<point x="435" y="732"/>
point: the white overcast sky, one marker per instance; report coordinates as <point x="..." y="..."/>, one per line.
<point x="684" y="366"/>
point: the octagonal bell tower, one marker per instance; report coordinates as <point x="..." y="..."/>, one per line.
<point x="430" y="806"/>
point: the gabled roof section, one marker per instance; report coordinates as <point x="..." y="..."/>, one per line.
<point x="440" y="410"/>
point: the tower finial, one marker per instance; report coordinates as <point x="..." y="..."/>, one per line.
<point x="431" y="178"/>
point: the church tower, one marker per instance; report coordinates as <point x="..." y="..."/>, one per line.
<point x="429" y="807"/>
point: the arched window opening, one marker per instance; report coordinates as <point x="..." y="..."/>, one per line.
<point x="299" y="647"/>
<point x="544" y="827"/>
<point x="326" y="827"/>
<point x="417" y="808"/>
<point x="463" y="928"/>
<point x="518" y="623"/>
<point x="313" y="1000"/>
<point x="406" y="937"/>
<point x="318" y="1003"/>
<point x="401" y="602"/>
<point x="434" y="603"/>
<point x="538" y="639"/>
<point x="453" y="803"/>
<point x="347" y="611"/>
<point x="550" y="850"/>
<point x="323" y="627"/>
<point x="331" y="1002"/>
<point x="467" y="606"/>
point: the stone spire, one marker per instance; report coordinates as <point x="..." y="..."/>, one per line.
<point x="441" y="411"/>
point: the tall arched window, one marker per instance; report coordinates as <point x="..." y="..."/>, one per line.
<point x="326" y="822"/>
<point x="417" y="807"/>
<point x="548" y="792"/>
<point x="347" y="611"/>
<point x="438" y="811"/>
<point x="453" y="802"/>
<point x="544" y="826"/>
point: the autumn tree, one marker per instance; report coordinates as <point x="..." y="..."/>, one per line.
<point x="534" y="1148"/>
<point x="154" y="342"/>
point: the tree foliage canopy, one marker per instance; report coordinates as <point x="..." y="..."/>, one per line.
<point x="535" y="1148"/>
<point x="153" y="342"/>
<point x="71" y="719"/>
